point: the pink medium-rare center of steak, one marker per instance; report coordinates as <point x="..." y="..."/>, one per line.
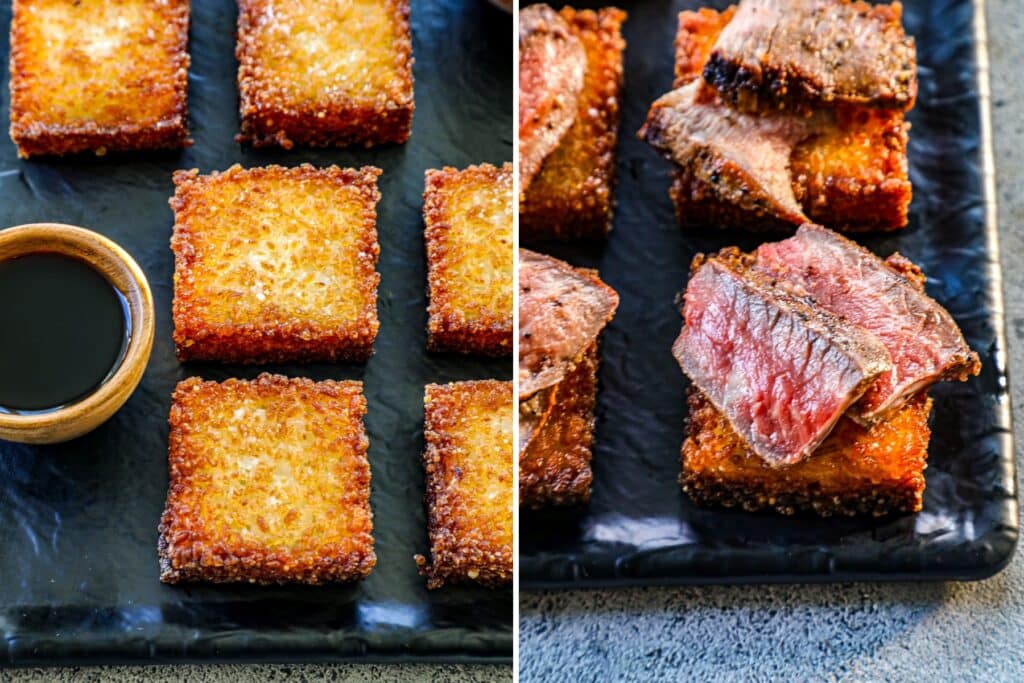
<point x="924" y="341"/>
<point x="781" y="371"/>
<point x="562" y="310"/>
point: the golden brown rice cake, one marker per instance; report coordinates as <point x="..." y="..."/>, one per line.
<point x="468" y="463"/>
<point x="855" y="471"/>
<point x="100" y="75"/>
<point x="554" y="464"/>
<point x="269" y="483"/>
<point x="468" y="216"/>
<point x="275" y="264"/>
<point x="324" y="72"/>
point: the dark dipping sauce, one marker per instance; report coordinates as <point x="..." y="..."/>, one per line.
<point x="64" y="329"/>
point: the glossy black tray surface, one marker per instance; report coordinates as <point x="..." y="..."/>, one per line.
<point x="78" y="564"/>
<point x="639" y="527"/>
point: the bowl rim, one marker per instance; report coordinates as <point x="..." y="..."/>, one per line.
<point x="72" y="241"/>
<point x="501" y="5"/>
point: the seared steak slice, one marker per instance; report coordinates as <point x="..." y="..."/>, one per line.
<point x="779" y="368"/>
<point x="812" y="52"/>
<point x="552" y="63"/>
<point x="561" y="311"/>
<point x="742" y="157"/>
<point x="851" y="176"/>
<point x="887" y="299"/>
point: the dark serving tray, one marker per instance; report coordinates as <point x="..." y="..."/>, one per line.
<point x="78" y="564"/>
<point x="640" y="528"/>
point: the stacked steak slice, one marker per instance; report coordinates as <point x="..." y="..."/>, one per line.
<point x="795" y="343"/>
<point x="552" y="64"/>
<point x="742" y="158"/>
<point x="570" y="80"/>
<point x="781" y="369"/>
<point x="813" y="52"/>
<point x="789" y="111"/>
<point x="562" y="312"/>
<point x="923" y="341"/>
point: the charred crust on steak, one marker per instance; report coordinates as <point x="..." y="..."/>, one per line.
<point x="806" y="53"/>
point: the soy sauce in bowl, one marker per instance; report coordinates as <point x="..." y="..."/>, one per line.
<point x="64" y="330"/>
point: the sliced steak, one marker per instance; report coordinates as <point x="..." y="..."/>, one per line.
<point x="780" y="369"/>
<point x="887" y="299"/>
<point x="552" y="63"/>
<point x="813" y="52"/>
<point x="742" y="157"/>
<point x="561" y="311"/>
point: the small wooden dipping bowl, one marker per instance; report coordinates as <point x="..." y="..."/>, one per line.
<point x="114" y="263"/>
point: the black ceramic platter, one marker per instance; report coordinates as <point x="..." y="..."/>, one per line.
<point x="78" y="564"/>
<point x="640" y="528"/>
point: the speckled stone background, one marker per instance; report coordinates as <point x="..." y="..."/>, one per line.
<point x="932" y="632"/>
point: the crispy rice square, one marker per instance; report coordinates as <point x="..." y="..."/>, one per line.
<point x="99" y="75"/>
<point x="554" y="464"/>
<point x="571" y="196"/>
<point x="855" y="471"/>
<point x="275" y="264"/>
<point x="468" y="463"/>
<point x="468" y="217"/>
<point x="324" y="72"/>
<point x="269" y="483"/>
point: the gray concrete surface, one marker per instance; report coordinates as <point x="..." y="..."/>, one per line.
<point x="952" y="632"/>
